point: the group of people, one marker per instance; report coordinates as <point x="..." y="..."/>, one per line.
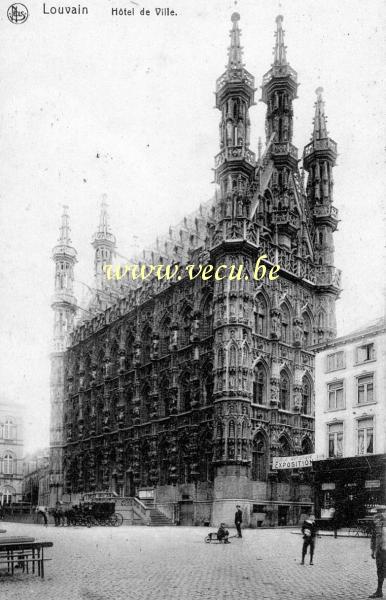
<point x="223" y="533"/>
<point x="58" y="513"/>
<point x="309" y="531"/>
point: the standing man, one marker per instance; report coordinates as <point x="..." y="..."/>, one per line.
<point x="378" y="551"/>
<point x="238" y="520"/>
<point x="309" y="535"/>
<point x="42" y="511"/>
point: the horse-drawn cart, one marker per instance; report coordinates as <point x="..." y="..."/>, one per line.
<point x="95" y="509"/>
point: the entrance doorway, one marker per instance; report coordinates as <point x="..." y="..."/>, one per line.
<point x="283" y="515"/>
<point x="186" y="512"/>
<point x="130" y="486"/>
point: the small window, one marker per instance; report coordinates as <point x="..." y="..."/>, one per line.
<point x="365" y="436"/>
<point x="365" y="353"/>
<point x="365" y="389"/>
<point x="335" y="361"/>
<point x="335" y="395"/>
<point x="335" y="440"/>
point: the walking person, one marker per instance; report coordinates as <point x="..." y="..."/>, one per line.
<point x="378" y="551"/>
<point x="335" y="521"/>
<point x="238" y="520"/>
<point x="42" y="511"/>
<point x="309" y="535"/>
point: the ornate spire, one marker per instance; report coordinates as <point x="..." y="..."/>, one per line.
<point x="64" y="247"/>
<point x="320" y="130"/>
<point x="64" y="237"/>
<point x="235" y="51"/>
<point x="280" y="57"/>
<point x="103" y="233"/>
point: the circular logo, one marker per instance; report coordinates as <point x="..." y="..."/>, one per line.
<point x="17" y="13"/>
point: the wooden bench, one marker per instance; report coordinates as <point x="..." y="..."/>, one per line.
<point x="23" y="552"/>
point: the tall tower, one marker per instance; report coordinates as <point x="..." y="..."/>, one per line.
<point x="64" y="307"/>
<point x="104" y="243"/>
<point x="279" y="90"/>
<point x="233" y="300"/>
<point x="319" y="159"/>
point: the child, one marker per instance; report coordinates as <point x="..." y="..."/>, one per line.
<point x="223" y="534"/>
<point x="309" y="534"/>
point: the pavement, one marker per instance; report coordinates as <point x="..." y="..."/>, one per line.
<point x="174" y="563"/>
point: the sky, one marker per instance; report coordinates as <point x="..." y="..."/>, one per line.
<point x="138" y="92"/>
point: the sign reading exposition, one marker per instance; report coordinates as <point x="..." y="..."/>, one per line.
<point x="292" y="462"/>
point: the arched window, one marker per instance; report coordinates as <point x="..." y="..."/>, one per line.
<point x="7" y="495"/>
<point x="284" y="447"/>
<point x="163" y="452"/>
<point x="261" y="316"/>
<point x="307" y="330"/>
<point x="144" y="464"/>
<point x="259" y="458"/>
<point x="307" y="446"/>
<point x="208" y="388"/>
<point x="183" y="461"/>
<point x="164" y="337"/>
<point x="285" y="324"/>
<point x="206" y="456"/>
<point x="114" y="359"/>
<point x="186" y="325"/>
<point x="233" y="356"/>
<point x="145" y="402"/>
<point x="8" y="464"/>
<point x="284" y="392"/>
<point x="322" y="319"/>
<point x="129" y="350"/>
<point x="146" y="344"/>
<point x="164" y="399"/>
<point x="185" y="392"/>
<point x="260" y="385"/>
<point x="207" y="317"/>
<point x="306" y="396"/>
<point x="245" y="356"/>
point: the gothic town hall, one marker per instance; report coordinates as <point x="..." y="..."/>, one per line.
<point x="183" y="391"/>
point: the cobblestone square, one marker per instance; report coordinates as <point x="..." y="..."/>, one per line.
<point x="170" y="563"/>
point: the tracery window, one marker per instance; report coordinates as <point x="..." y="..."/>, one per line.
<point x="165" y="337"/>
<point x="306" y="396"/>
<point x="186" y="325"/>
<point x="261" y="316"/>
<point x="307" y="330"/>
<point x="207" y="317"/>
<point x="284" y="392"/>
<point x="260" y="385"/>
<point x="259" y="458"/>
<point x="146" y="345"/>
<point x="185" y="392"/>
<point x="285" y="324"/>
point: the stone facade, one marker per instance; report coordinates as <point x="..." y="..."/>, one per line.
<point x="191" y="386"/>
<point x="11" y="453"/>
<point x="36" y="489"/>
<point x="350" y="476"/>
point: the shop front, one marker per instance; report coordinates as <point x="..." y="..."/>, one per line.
<point x="349" y="487"/>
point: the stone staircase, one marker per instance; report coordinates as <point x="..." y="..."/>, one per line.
<point x="157" y="517"/>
